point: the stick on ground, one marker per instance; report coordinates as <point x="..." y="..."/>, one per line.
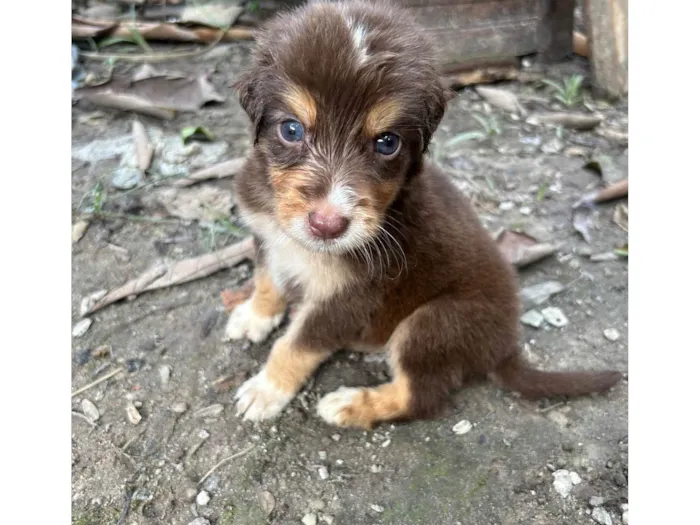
<point x="236" y="455"/>
<point x="97" y="382"/>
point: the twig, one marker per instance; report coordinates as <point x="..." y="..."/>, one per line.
<point x="132" y="217"/>
<point x="127" y="506"/>
<point x="97" y="381"/>
<point x="550" y="407"/>
<point x="156" y="57"/>
<point x="84" y="418"/>
<point x="236" y="455"/>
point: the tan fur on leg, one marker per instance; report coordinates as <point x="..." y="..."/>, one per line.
<point x="267" y="300"/>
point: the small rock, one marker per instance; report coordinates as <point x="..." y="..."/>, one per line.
<point x="525" y="210"/>
<point x="327" y="518"/>
<point x="88" y="302"/>
<point x="190" y="494"/>
<point x="386" y="443"/>
<point x="310" y="519"/>
<point x="79" y="229"/>
<point x="377" y="508"/>
<point x="203" y="498"/>
<point x="179" y="408"/>
<point x="596" y="501"/>
<point x="322" y="455"/>
<point x="199" y="521"/>
<point x="126" y="177"/>
<point x="552" y="146"/>
<point x="625" y="517"/>
<point x="375" y="469"/>
<point x="203" y="434"/>
<point x="462" y="427"/>
<point x="81" y="327"/>
<point x="611" y="334"/>
<point x="317" y="504"/>
<point x="267" y="502"/>
<point x="604" y="257"/>
<point x="164" y="372"/>
<point x="564" y="482"/>
<point x="133" y="414"/>
<point x="335" y="437"/>
<point x="506" y="206"/>
<point x="90" y="410"/>
<point x="532" y="318"/>
<point x="539" y="293"/>
<point x="323" y="473"/>
<point x="210" y="411"/>
<point x="555" y="317"/>
<point x="601" y="516"/>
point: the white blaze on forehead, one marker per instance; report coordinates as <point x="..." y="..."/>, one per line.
<point x="342" y="198"/>
<point x="358" y="34"/>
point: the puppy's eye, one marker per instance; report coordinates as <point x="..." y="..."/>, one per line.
<point x="387" y="144"/>
<point x="291" y="131"/>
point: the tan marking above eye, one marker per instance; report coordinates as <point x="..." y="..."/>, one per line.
<point x="381" y="117"/>
<point x="302" y="104"/>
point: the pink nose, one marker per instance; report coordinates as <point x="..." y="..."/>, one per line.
<point x="327" y="223"/>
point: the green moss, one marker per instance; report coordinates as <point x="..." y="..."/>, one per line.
<point x="97" y="516"/>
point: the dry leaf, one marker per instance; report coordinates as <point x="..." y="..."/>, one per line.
<point x="579" y="121"/>
<point x="580" y="44"/>
<point x="90" y="410"/>
<point x="582" y="220"/>
<point x="232" y="298"/>
<point x="500" y="98"/>
<point x="79" y="229"/>
<point x="142" y="146"/>
<point x="218" y="171"/>
<point x="159" y="94"/>
<point x="207" y="203"/>
<point x="162" y="276"/>
<point x="521" y="249"/>
<point x="267" y="502"/>
<point x="132" y="413"/>
<point x="614" y="191"/>
<point x="215" y="14"/>
<point x="621" y="217"/>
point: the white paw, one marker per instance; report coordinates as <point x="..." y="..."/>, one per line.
<point x="259" y="399"/>
<point x="246" y="323"/>
<point x="331" y="405"/>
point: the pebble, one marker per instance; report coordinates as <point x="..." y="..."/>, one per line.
<point x="506" y="206"/>
<point x="377" y="508"/>
<point x="310" y="519"/>
<point x="126" y="177"/>
<point x="625" y="508"/>
<point x="81" y="327"/>
<point x="564" y="481"/>
<point x="267" y="502"/>
<point x="133" y="414"/>
<point x="601" y="516"/>
<point x="322" y="455"/>
<point x="210" y="411"/>
<point x="462" y="427"/>
<point x="596" y="501"/>
<point x="90" y="410"/>
<point x="555" y="316"/>
<point x="375" y="469"/>
<point x="317" y="504"/>
<point x="179" y="408"/>
<point x="327" y="518"/>
<point x="200" y="521"/>
<point x="79" y="229"/>
<point x="323" y="473"/>
<point x="532" y="318"/>
<point x="203" y="498"/>
<point x="164" y="372"/>
<point x="88" y="302"/>
<point x="611" y="334"/>
<point x="386" y="443"/>
<point x="525" y="210"/>
<point x="335" y="437"/>
<point x="554" y="145"/>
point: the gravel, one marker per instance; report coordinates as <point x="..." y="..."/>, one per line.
<point x="555" y="317"/>
<point x="310" y="519"/>
<point x="462" y="427"/>
<point x="532" y="318"/>
<point x="90" y="410"/>
<point x="203" y="498"/>
<point x="564" y="481"/>
<point x="611" y="334"/>
<point x="323" y="473"/>
<point x="199" y="521"/>
<point x="81" y="327"/>
<point x="539" y="293"/>
<point x="602" y="516"/>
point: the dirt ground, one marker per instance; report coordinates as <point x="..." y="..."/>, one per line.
<point x="170" y="344"/>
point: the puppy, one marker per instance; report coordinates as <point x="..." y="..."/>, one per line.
<point x="377" y="248"/>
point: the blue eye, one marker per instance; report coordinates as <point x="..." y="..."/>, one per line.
<point x="387" y="144"/>
<point x="291" y="131"/>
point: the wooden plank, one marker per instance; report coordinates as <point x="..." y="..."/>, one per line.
<point x="606" y="24"/>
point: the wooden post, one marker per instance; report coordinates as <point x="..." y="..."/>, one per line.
<point x="606" y="25"/>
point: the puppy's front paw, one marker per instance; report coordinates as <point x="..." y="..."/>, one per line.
<point x="336" y="408"/>
<point x="244" y="322"/>
<point x="259" y="399"/>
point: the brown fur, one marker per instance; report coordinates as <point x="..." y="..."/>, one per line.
<point x="267" y="300"/>
<point x="427" y="282"/>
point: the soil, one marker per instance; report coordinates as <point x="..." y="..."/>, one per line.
<point x="421" y="473"/>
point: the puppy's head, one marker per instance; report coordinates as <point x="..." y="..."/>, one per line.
<point x="344" y="99"/>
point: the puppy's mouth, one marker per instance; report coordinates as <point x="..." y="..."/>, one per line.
<point x="325" y="229"/>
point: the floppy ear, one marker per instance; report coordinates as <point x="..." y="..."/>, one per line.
<point x="251" y="100"/>
<point x="436" y="103"/>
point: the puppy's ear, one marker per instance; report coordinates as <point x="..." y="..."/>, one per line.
<point x="436" y="102"/>
<point x="251" y="100"/>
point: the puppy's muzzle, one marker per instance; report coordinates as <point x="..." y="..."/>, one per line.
<point x="327" y="223"/>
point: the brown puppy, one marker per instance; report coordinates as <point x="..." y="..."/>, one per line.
<point x="380" y="250"/>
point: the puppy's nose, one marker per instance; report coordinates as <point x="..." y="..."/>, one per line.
<point x="327" y="223"/>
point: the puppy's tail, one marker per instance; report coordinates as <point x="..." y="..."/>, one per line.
<point x="515" y="374"/>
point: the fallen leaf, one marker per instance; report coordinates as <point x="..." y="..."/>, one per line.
<point x="88" y="302"/>
<point x="580" y="44"/>
<point x="582" y="220"/>
<point x="501" y="99"/>
<point x="163" y="276"/>
<point x="205" y="203"/>
<point x="159" y="94"/>
<point x="214" y="14"/>
<point x="521" y="249"/>
<point x="142" y="146"/>
<point x="621" y="217"/>
<point x="614" y="191"/>
<point x="232" y="298"/>
<point x="622" y="251"/>
<point x="539" y="293"/>
<point x="79" y="229"/>
<point x="267" y="502"/>
<point x="82" y="28"/>
<point x="217" y="171"/>
<point x="579" y="121"/>
<point x="196" y="133"/>
<point x="81" y="327"/>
